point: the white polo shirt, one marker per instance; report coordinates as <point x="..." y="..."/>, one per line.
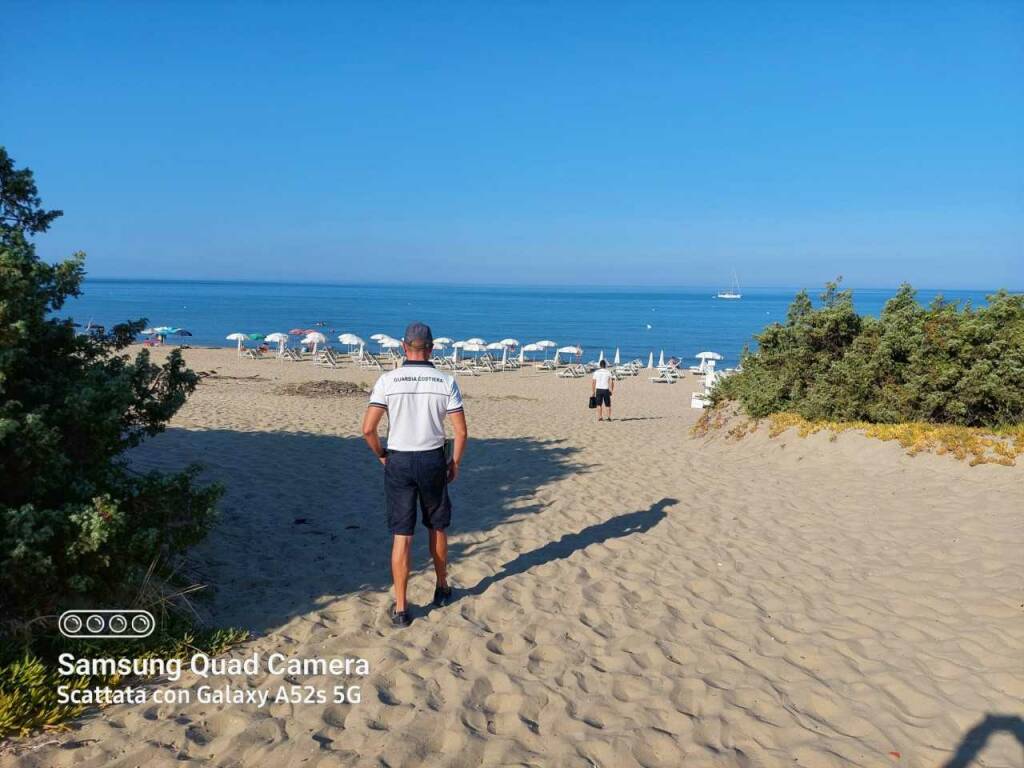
<point x="603" y="377"/>
<point x="417" y="397"/>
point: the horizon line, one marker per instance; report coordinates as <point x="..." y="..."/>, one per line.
<point x="662" y="287"/>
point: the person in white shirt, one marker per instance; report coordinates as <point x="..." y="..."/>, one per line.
<point x="601" y="387"/>
<point x="417" y="398"/>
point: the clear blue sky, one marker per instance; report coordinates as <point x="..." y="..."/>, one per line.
<point x="594" y="143"/>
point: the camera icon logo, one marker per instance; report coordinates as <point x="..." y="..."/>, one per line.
<point x="115" y="624"/>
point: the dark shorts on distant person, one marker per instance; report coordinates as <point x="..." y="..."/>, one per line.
<point x="604" y="397"/>
<point x="416" y="478"/>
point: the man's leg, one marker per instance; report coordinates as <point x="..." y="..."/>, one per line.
<point x="401" y="562"/>
<point x="439" y="552"/>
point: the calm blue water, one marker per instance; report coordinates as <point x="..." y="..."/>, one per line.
<point x="683" y="321"/>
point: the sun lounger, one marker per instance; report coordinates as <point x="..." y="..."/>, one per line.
<point x="664" y="377"/>
<point x="573" y="372"/>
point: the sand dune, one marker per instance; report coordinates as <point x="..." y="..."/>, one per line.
<point x="629" y="595"/>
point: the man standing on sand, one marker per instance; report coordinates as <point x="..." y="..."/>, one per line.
<point x="416" y="398"/>
<point x="601" y="387"/>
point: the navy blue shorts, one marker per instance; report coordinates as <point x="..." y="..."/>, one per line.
<point x="416" y="477"/>
<point x="604" y="397"/>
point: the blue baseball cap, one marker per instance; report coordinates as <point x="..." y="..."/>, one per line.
<point x="418" y="335"/>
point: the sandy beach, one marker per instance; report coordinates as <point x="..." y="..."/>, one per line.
<point x="628" y="595"/>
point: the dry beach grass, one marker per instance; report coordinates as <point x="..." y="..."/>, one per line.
<point x="630" y="595"/>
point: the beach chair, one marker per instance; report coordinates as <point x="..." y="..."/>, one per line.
<point x="548" y="365"/>
<point x="253" y="354"/>
<point x="572" y="372"/>
<point x="664" y="377"/>
<point x="369" y="360"/>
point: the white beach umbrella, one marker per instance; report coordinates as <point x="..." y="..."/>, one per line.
<point x="547" y="344"/>
<point x="440" y="345"/>
<point x="509" y="342"/>
<point x="459" y="344"/>
<point x="315" y="338"/>
<point x="708" y="356"/>
<point x="531" y="348"/>
<point x="379" y="336"/>
<point x="650" y="360"/>
<point x="277" y="338"/>
<point x="504" y="355"/>
<point x="239" y="337"/>
<point x="475" y="340"/>
<point x="522" y="356"/>
<point x="661" y="359"/>
<point x="496" y="345"/>
<point x="391" y="344"/>
<point x="601" y="356"/>
<point x="472" y="346"/>
<point x="616" y="356"/>
<point x="442" y="340"/>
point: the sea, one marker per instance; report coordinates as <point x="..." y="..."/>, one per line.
<point x="680" y="321"/>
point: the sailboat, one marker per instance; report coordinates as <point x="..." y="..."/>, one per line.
<point x="731" y="293"/>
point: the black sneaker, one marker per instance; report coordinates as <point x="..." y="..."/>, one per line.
<point x="400" y="618"/>
<point x="442" y="596"/>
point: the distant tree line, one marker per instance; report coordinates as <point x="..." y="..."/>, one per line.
<point x="946" y="363"/>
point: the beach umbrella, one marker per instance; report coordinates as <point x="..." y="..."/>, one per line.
<point x="522" y="356"/>
<point x="239" y="337"/>
<point x="601" y="356"/>
<point x="391" y="344"/>
<point x="440" y="345"/>
<point x="442" y="340"/>
<point x="496" y="345"/>
<point x="504" y="355"/>
<point x="476" y="340"/>
<point x="300" y="331"/>
<point x="182" y="332"/>
<point x="650" y="360"/>
<point x="509" y="342"/>
<point x="256" y="337"/>
<point x="472" y="346"/>
<point x="617" y="356"/>
<point x="277" y="338"/>
<point x="315" y="338"/>
<point x="708" y="356"/>
<point x="661" y="359"/>
<point x="573" y="351"/>
<point x="531" y="348"/>
<point x="546" y="344"/>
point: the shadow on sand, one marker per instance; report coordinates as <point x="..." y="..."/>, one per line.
<point x="614" y="528"/>
<point x="303" y="523"/>
<point x="976" y="738"/>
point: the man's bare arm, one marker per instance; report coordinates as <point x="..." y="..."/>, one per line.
<point x="371" y="421"/>
<point x="461" y="432"/>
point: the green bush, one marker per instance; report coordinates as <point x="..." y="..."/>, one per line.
<point x="940" y="364"/>
<point x="77" y="526"/>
